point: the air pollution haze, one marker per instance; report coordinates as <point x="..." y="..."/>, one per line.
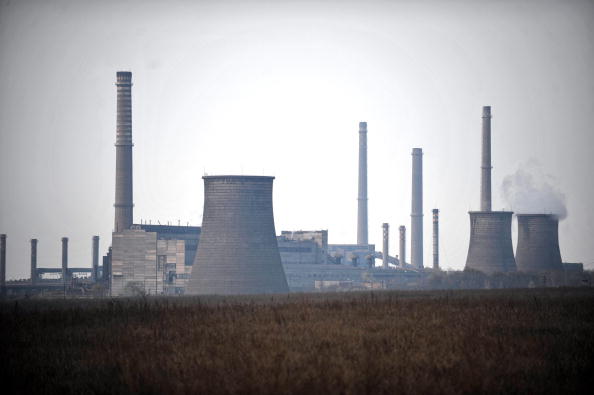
<point x="531" y="191"/>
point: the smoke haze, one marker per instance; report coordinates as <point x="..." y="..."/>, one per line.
<point x="530" y="191"/>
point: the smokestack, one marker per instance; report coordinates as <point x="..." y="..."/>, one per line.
<point x="95" y="258"/>
<point x="402" y="256"/>
<point x="435" y="239"/>
<point x="486" y="161"/>
<point x="64" y="259"/>
<point x="33" y="261"/>
<point x="362" y="197"/>
<point x="123" y="189"/>
<point x="538" y="243"/>
<point x="385" y="251"/>
<point x="2" y="265"/>
<point x="490" y="249"/>
<point x="416" y="250"/>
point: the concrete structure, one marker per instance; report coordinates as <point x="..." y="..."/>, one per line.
<point x="64" y="259"/>
<point x="490" y="249"/>
<point x="303" y="247"/>
<point x="123" y="188"/>
<point x="353" y="254"/>
<point x="238" y="251"/>
<point x="2" y="265"/>
<point x="402" y="253"/>
<point x="33" y="261"/>
<point x="538" y="243"/>
<point x="486" y="161"/>
<point x="435" y="239"/>
<point x="386" y="244"/>
<point x="416" y="232"/>
<point x="94" y="273"/>
<point x="152" y="259"/>
<point x="362" y="236"/>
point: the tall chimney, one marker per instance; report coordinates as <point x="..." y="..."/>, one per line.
<point x="2" y="265"/>
<point x="123" y="190"/>
<point x="486" y="161"/>
<point x="416" y="237"/>
<point x="435" y="239"/>
<point x="64" y="259"/>
<point x="362" y="197"/>
<point x="33" y="261"/>
<point x="402" y="257"/>
<point x="95" y="258"/>
<point x="385" y="251"/>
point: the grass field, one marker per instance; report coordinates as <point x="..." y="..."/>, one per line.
<point x="522" y="341"/>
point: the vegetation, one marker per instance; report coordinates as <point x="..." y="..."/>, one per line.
<point x="492" y="341"/>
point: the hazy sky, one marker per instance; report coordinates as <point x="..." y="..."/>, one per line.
<point x="278" y="88"/>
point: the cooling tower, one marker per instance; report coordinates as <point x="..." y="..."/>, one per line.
<point x="490" y="249"/>
<point x="402" y="253"/>
<point x="123" y="188"/>
<point x="435" y="239"/>
<point x="238" y="252"/>
<point x="416" y="228"/>
<point x="362" y="238"/>
<point x="33" y="261"/>
<point x="386" y="244"/>
<point x="538" y="243"/>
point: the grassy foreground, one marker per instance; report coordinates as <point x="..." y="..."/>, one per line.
<point x="508" y="341"/>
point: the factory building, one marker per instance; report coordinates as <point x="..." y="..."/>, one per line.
<point x="153" y="259"/>
<point x="353" y="254"/>
<point x="303" y="247"/>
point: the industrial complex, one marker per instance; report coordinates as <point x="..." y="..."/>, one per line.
<point x="236" y="249"/>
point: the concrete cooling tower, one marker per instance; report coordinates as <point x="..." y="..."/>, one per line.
<point x="238" y="251"/>
<point x="490" y="249"/>
<point x="538" y="243"/>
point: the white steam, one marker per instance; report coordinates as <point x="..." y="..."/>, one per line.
<point x="530" y="191"/>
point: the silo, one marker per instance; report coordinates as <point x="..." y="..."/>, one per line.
<point x="238" y="251"/>
<point x="490" y="249"/>
<point x="538" y="243"/>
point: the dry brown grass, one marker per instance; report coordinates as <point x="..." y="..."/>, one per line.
<point x="523" y="341"/>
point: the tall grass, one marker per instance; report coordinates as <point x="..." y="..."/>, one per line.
<point x="506" y="341"/>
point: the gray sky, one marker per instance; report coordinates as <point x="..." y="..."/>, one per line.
<point x="278" y="88"/>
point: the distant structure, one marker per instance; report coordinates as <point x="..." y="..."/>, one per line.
<point x="152" y="259"/>
<point x="2" y="265"/>
<point x="416" y="237"/>
<point x="64" y="260"/>
<point x="490" y="249"/>
<point x="435" y="239"/>
<point x="402" y="256"/>
<point x="238" y="251"/>
<point x="123" y="188"/>
<point x="303" y="247"/>
<point x="538" y="243"/>
<point x="386" y="244"/>
<point x="353" y="254"/>
<point x="33" y="261"/>
<point x="95" y="257"/>
<point x="362" y="238"/>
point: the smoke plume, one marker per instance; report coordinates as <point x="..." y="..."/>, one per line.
<point x="530" y="191"/>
